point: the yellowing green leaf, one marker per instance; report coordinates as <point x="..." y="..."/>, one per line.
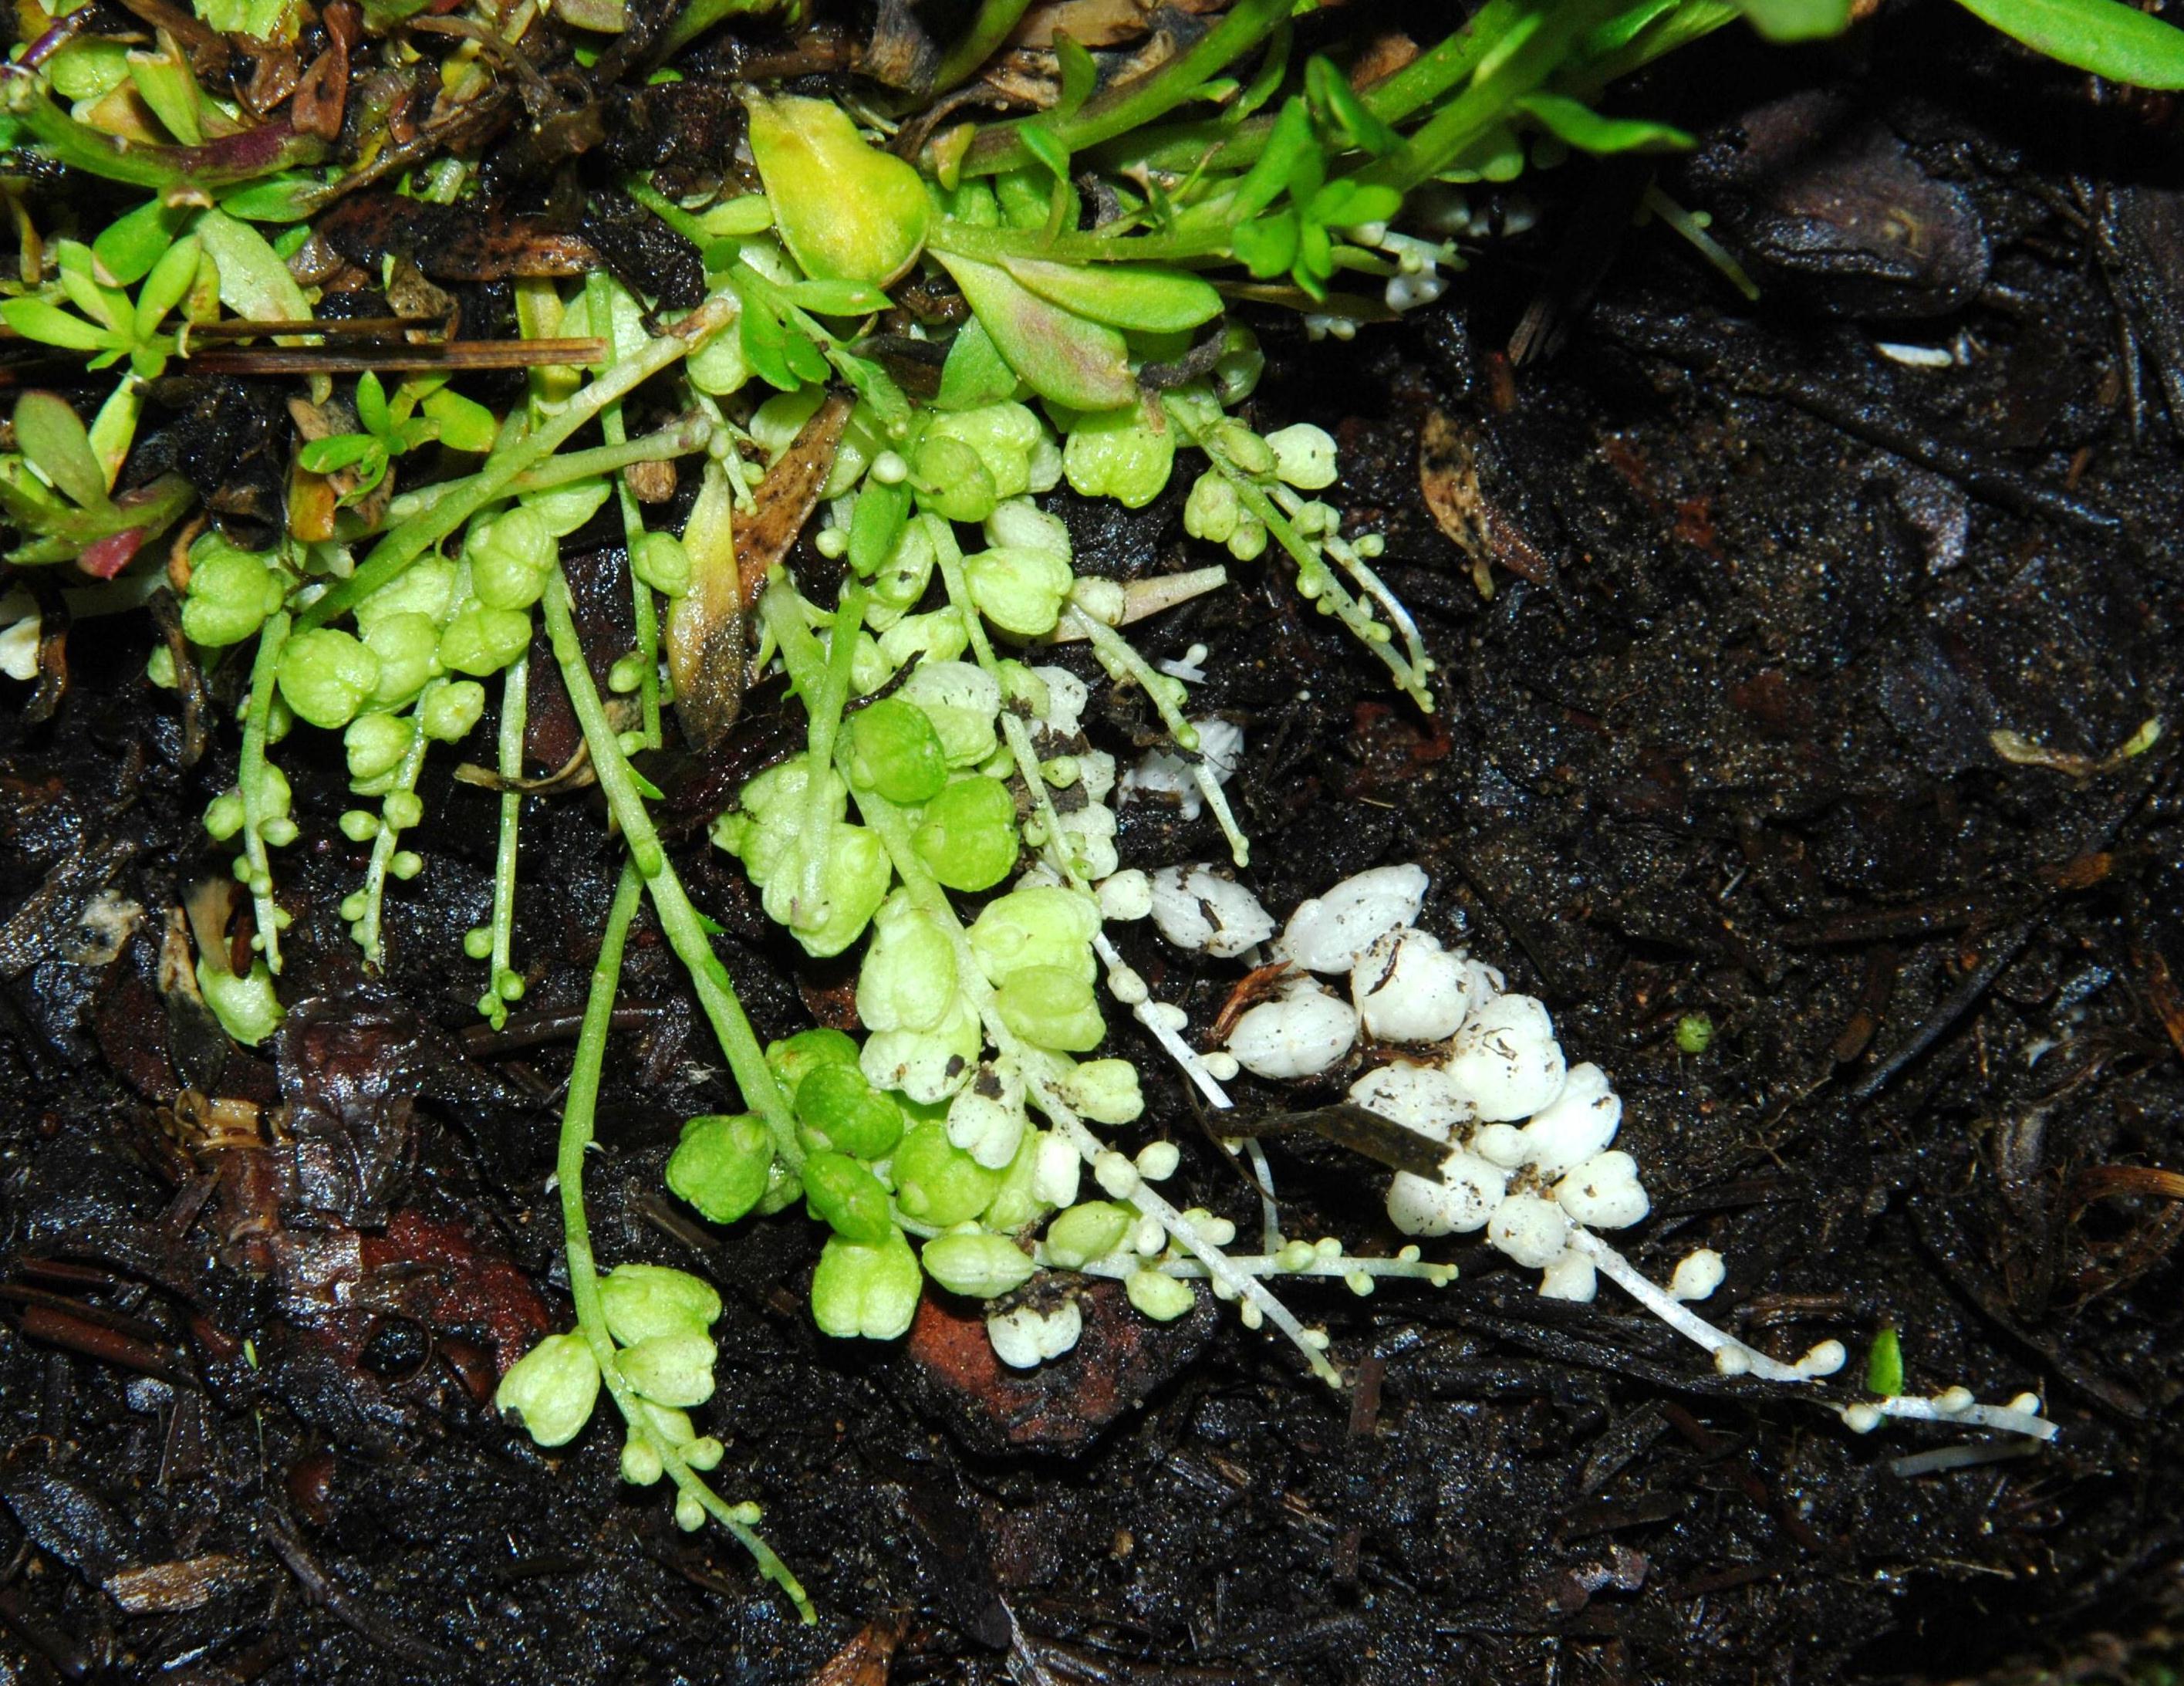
<point x="1065" y="357"/>
<point x="52" y="437"/>
<point x="846" y="211"/>
<point x="254" y="281"/>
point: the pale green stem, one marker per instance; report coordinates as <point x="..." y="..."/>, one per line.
<point x="824" y="710"/>
<point x="250" y="778"/>
<point x="1139" y="102"/>
<point x="686" y="935"/>
<point x="577" y="1117"/>
<point x="515" y="708"/>
<point x="599" y="290"/>
<point x="677" y="439"/>
<point x="1316" y="582"/>
<point x="1121" y="661"/>
<point x="367" y="928"/>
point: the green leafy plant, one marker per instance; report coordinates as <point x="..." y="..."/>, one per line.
<point x="996" y="308"/>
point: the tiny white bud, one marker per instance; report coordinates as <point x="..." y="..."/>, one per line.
<point x="1732" y="1361"/>
<point x="1697" y="1275"/>
<point x="1126" y="894"/>
<point x="1157" y="1161"/>
<point x="1116" y="1174"/>
<point x="1826" y="1359"/>
<point x="1861" y="1419"/>
<point x="1954" y="1401"/>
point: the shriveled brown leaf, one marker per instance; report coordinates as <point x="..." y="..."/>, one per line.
<point x="864" y="1661"/>
<point x="705" y="625"/>
<point x="1448" y="477"/>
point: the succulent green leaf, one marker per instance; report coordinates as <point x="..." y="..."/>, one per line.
<point x="1079" y="74"/>
<point x="642" y="1301"/>
<point x="1266" y="246"/>
<point x="1065" y="357"/>
<point x="975" y="373"/>
<point x="846" y="1196"/>
<point x="836" y="298"/>
<point x="671" y="1369"/>
<point x="166" y="286"/>
<point x="1884" y="1365"/>
<point x="871" y="1291"/>
<point x="50" y="434"/>
<point x="1134" y="297"/>
<point x="169" y="88"/>
<point x="846" y="211"/>
<point x="980" y="1265"/>
<point x="721" y="1165"/>
<point x="288" y="197"/>
<point x="45" y="321"/>
<point x="552" y="1388"/>
<point x="464" y="424"/>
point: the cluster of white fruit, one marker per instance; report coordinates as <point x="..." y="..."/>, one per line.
<point x="1530" y="1159"/>
<point x="1529" y="1134"/>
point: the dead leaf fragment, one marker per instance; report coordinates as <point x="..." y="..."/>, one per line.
<point x="1448" y="477"/>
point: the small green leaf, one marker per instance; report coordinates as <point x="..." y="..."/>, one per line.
<point x="52" y="437"/>
<point x="1290" y="139"/>
<point x="289" y="197"/>
<point x="166" y="287"/>
<point x="1267" y="246"/>
<point x="372" y="404"/>
<point x="464" y="424"/>
<point x="875" y="386"/>
<point x="254" y="281"/>
<point x="1042" y="144"/>
<point x="128" y="247"/>
<point x="1346" y="204"/>
<point x="1266" y="82"/>
<point x="1129" y="296"/>
<point x="88" y="69"/>
<point x="836" y="298"/>
<point x="2102" y="36"/>
<point x="1067" y="358"/>
<point x="72" y="260"/>
<point x="1079" y="74"/>
<point x="1800" y="19"/>
<point x="45" y="321"/>
<point x="1345" y="111"/>
<point x="1577" y="125"/>
<point x="1884" y="1365"/>
<point x="336" y="452"/>
<point x="746" y="215"/>
<point x="171" y="91"/>
<point x="975" y="373"/>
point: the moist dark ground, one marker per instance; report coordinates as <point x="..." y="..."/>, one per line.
<point x="1726" y="752"/>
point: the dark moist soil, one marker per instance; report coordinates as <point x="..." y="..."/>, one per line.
<point x="1718" y="744"/>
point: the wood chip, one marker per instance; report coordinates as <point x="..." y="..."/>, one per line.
<point x="189" y="1583"/>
